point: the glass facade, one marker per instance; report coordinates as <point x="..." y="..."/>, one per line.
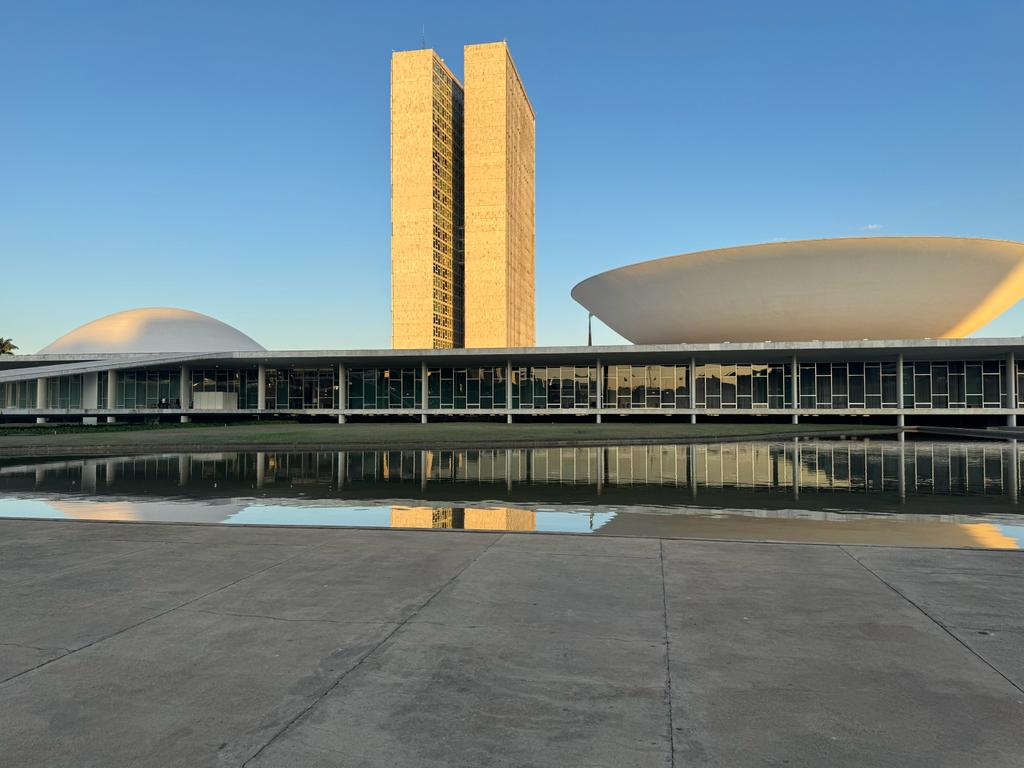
<point x="753" y="385"/>
<point x="384" y="388"/>
<point x="469" y="388"/>
<point x="244" y="383"/>
<point x="554" y="387"/>
<point x="147" y="389"/>
<point x="18" y="394"/>
<point x="646" y="386"/>
<point x="64" y="392"/>
<point x="848" y="385"/>
<point x="956" y="384"/>
<point x="819" y="386"/>
<point x="300" y="388"/>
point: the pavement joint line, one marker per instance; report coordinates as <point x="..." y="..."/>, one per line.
<point x="937" y="622"/>
<point x="35" y="648"/>
<point x="303" y="712"/>
<point x="668" y="659"/>
<point x="156" y="616"/>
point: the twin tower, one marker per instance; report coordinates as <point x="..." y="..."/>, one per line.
<point x="462" y="202"/>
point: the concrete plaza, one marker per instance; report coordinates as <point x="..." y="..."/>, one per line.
<point x="179" y="645"/>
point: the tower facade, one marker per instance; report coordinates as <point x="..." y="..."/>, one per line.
<point x="499" y="201"/>
<point x="427" y="199"/>
<point x="462" y="202"/>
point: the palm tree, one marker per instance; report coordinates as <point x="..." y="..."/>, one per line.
<point x="7" y="346"/>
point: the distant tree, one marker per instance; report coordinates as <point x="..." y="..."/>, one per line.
<point x="7" y="346"/>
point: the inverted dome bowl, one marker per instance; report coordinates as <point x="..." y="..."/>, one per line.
<point x="838" y="289"/>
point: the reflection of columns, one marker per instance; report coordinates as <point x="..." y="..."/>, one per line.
<point x="424" y="402"/>
<point x="261" y="460"/>
<point x="111" y="393"/>
<point x="342" y="469"/>
<point x="184" y="468"/>
<point x="41" y="403"/>
<point x="1013" y="481"/>
<point x="89" y="477"/>
<point x="600" y="469"/>
<point x="111" y="470"/>
<point x="902" y="473"/>
<point x="691" y="469"/>
<point x="185" y="391"/>
<point x="423" y="470"/>
<point x="342" y="392"/>
<point x="796" y="469"/>
<point x="508" y="390"/>
<point x="261" y="386"/>
<point x="600" y="395"/>
<point x="1011" y="388"/>
<point x="90" y="395"/>
<point x="40" y="475"/>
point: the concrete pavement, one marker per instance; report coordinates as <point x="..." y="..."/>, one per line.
<point x="179" y="645"/>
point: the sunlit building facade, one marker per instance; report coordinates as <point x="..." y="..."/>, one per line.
<point x="500" y="140"/>
<point x="427" y="199"/>
<point x="462" y="202"/>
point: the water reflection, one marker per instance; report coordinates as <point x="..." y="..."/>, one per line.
<point x="934" y="493"/>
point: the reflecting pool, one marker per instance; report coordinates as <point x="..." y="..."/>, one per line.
<point x="914" y="493"/>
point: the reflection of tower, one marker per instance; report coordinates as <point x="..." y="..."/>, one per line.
<point x="469" y="518"/>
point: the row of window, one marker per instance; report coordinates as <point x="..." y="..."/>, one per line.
<point x="871" y="385"/>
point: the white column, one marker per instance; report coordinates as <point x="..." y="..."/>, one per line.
<point x="600" y="390"/>
<point x="261" y="387"/>
<point x="424" y="402"/>
<point x="692" y="384"/>
<point x="90" y="395"/>
<point x="795" y="375"/>
<point x="900" y="421"/>
<point x="41" y="403"/>
<point x="111" y="393"/>
<point x="185" y="392"/>
<point x="342" y="392"/>
<point x="1011" y="388"/>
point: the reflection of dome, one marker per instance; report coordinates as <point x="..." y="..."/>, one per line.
<point x="838" y="289"/>
<point x="155" y="329"/>
<point x="147" y="510"/>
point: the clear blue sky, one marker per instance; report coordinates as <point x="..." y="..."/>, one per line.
<point x="232" y="157"/>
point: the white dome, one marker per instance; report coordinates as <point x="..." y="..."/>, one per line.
<point x="153" y="329"/>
